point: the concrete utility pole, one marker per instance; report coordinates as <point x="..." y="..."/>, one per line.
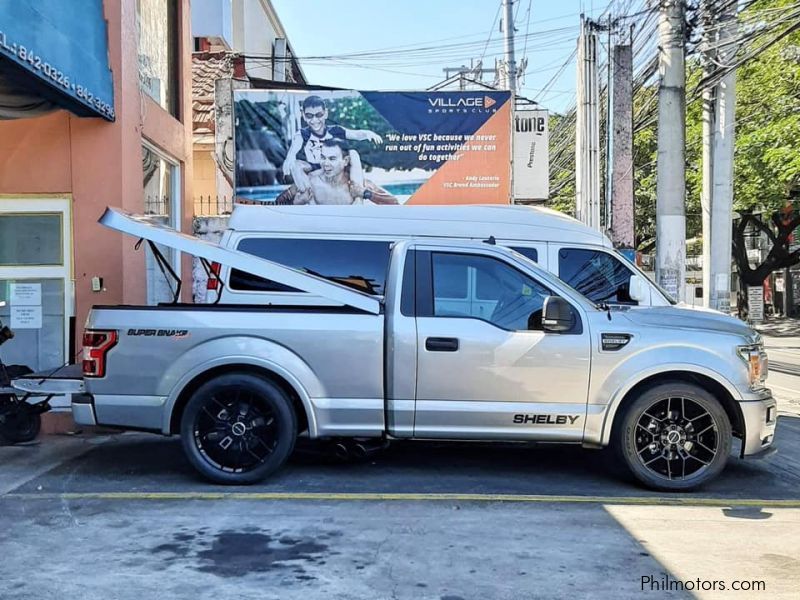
<point x="622" y="232"/>
<point x="670" y="173"/>
<point x="587" y="130"/>
<point x="719" y="112"/>
<point x="609" y="217"/>
<point x="508" y="29"/>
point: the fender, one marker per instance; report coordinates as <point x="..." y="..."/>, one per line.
<point x="252" y="351"/>
<point x="606" y="395"/>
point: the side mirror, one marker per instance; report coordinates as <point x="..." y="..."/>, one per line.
<point x="638" y="289"/>
<point x="558" y="315"/>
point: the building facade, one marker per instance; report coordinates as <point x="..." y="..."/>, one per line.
<point x="68" y="150"/>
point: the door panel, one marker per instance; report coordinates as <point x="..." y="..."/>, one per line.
<point x="503" y="380"/>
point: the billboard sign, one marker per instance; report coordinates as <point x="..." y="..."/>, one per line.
<point x="358" y="147"/>
<point x="531" y="154"/>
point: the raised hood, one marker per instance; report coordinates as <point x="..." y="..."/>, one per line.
<point x="141" y="226"/>
<point x="690" y="318"/>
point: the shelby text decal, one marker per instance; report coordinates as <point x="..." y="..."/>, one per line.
<point x="546" y="419"/>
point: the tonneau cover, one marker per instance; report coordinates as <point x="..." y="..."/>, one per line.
<point x="141" y="226"/>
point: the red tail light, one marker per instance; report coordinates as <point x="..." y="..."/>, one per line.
<point x="96" y="344"/>
<point x="213" y="278"/>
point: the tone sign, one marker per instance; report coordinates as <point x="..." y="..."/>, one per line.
<point x="755" y="302"/>
<point x="531" y="154"/>
<point x="350" y="147"/>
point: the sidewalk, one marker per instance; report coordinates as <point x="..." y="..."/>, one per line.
<point x="782" y="343"/>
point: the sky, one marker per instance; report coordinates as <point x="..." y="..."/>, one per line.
<point x="412" y="41"/>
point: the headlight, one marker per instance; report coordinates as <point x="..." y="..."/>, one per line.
<point x="757" y="364"/>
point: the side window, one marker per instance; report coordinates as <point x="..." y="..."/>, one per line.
<point x="595" y="274"/>
<point x="361" y="265"/>
<point x="466" y="285"/>
<point x="530" y="253"/>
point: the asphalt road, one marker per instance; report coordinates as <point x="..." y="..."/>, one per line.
<point x="125" y="516"/>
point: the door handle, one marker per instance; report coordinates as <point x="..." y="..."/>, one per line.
<point x="441" y="344"/>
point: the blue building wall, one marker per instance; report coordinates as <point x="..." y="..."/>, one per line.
<point x="59" y="48"/>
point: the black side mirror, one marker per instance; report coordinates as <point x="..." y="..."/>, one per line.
<point x="558" y="315"/>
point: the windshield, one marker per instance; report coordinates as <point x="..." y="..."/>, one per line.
<point x="553" y="281"/>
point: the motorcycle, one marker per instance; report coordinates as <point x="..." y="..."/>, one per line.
<point x="20" y="421"/>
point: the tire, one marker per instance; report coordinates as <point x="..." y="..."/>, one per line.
<point x="238" y="428"/>
<point x="674" y="437"/>
<point x="19" y="422"/>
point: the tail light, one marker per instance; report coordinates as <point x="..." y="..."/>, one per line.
<point x="96" y="344"/>
<point x="213" y="277"/>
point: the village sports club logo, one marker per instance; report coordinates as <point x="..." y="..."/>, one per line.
<point x="475" y="104"/>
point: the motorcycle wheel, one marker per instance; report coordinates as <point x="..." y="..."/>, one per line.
<point x="19" y="422"/>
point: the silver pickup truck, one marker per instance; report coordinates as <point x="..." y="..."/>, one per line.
<point x="469" y="341"/>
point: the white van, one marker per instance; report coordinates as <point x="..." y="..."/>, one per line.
<point x="350" y="244"/>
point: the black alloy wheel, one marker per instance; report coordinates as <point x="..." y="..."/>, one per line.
<point x="238" y="428"/>
<point x="675" y="437"/>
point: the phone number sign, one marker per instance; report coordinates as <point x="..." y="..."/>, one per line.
<point x="70" y="58"/>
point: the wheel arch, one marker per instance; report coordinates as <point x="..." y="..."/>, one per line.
<point x="721" y="391"/>
<point x="292" y="388"/>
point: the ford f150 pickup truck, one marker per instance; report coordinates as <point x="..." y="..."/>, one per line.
<point x="469" y="341"/>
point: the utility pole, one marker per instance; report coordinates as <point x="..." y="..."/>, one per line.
<point x="622" y="232"/>
<point x="609" y="130"/>
<point x="670" y="172"/>
<point x="719" y="111"/>
<point x="508" y="29"/>
<point x="587" y="131"/>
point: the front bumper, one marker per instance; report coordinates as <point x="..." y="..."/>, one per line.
<point x="760" y="417"/>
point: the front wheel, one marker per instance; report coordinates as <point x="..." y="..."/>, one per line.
<point x="674" y="437"/>
<point x="238" y="428"/>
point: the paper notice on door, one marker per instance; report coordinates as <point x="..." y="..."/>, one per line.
<point x="26" y="294"/>
<point x="26" y="317"/>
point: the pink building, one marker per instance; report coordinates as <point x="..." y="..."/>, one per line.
<point x="58" y="170"/>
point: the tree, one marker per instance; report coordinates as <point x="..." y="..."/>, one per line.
<point x="779" y="229"/>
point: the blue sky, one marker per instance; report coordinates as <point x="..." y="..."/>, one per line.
<point x="416" y="39"/>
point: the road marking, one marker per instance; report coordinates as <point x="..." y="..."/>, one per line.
<point x="380" y="497"/>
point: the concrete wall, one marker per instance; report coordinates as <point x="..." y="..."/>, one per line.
<point x="205" y="172"/>
<point x="211" y="229"/>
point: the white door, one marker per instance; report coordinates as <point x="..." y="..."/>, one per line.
<point x="36" y="280"/>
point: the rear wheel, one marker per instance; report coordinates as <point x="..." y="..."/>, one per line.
<point x="19" y="421"/>
<point x="674" y="437"/>
<point x="238" y="428"/>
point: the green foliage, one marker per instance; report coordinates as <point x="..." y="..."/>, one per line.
<point x="767" y="147"/>
<point x="562" y="164"/>
<point x="767" y="166"/>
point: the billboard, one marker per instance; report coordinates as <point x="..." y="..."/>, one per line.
<point x="358" y="147"/>
<point x="531" y="154"/>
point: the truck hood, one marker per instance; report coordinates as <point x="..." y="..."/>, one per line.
<point x="686" y="317"/>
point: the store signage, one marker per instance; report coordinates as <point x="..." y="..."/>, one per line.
<point x="64" y="45"/>
<point x="531" y="154"/>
